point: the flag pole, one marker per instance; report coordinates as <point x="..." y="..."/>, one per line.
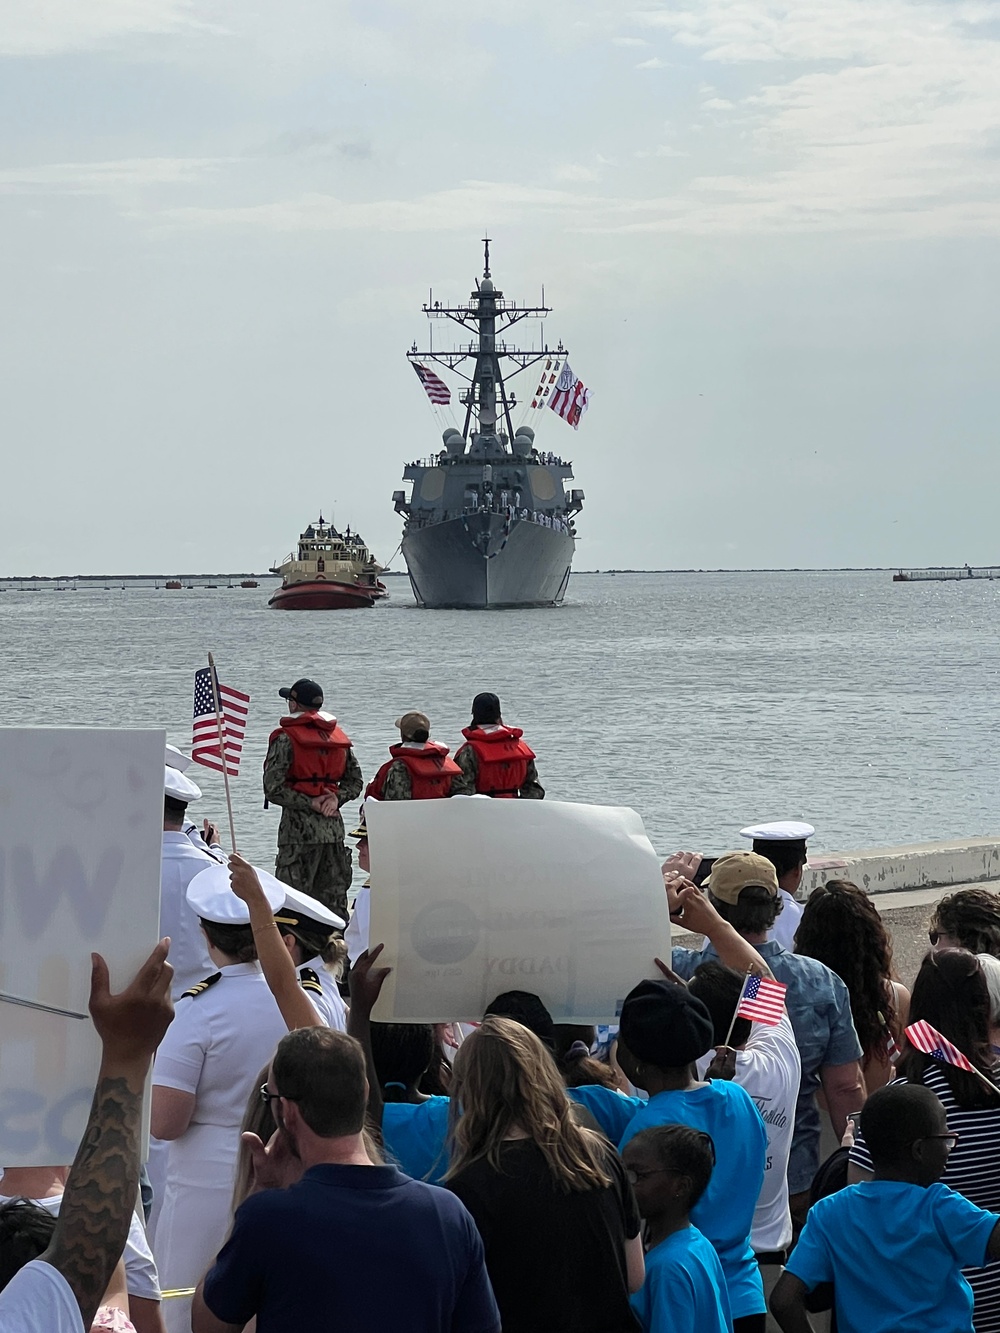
<point x="222" y="749"/>
<point x="736" y="1011"/>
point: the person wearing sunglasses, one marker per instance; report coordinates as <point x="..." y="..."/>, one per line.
<point x="894" y="1246"/>
<point x="669" y="1168"/>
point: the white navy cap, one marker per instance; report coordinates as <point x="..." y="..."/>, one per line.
<point x="175" y="784"/>
<point x="175" y="758"/>
<point x="211" y="895"/>
<point x="782" y="830"/>
<point x="300" y="906"/>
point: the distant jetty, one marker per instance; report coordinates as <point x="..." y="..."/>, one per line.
<point x="957" y="574"/>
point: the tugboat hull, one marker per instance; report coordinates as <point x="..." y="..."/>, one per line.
<point x="476" y="562"/>
<point x="323" y="595"/>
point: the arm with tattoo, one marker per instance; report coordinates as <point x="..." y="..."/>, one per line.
<point x="101" y="1190"/>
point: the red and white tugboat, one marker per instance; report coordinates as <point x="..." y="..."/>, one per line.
<point x="330" y="572"/>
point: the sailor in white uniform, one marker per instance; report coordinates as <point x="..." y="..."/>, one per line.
<point x="225" y="1030"/>
<point x="181" y="861"/>
<point x="175" y="758"/>
<point x="784" y="845"/>
<point x="356" y="934"/>
<point x="307" y="926"/>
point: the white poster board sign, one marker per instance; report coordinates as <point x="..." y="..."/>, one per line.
<point x="81" y="821"/>
<point x="472" y="897"/>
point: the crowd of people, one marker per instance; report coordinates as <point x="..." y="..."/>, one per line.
<point x="312" y="1168"/>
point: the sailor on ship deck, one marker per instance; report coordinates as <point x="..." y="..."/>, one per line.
<point x="495" y="760"/>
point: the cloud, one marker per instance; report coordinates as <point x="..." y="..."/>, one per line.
<point x="55" y="27"/>
<point x="654" y="63"/>
<point x="106" y="177"/>
<point x="572" y="172"/>
<point x="629" y="41"/>
<point x="317" y="143"/>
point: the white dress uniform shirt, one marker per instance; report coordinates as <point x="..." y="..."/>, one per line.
<point x="787" y="923"/>
<point x="189" y="955"/>
<point x="330" y="1005"/>
<point x="215" y="1048"/>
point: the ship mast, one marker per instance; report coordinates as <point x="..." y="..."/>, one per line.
<point x="487" y="315"/>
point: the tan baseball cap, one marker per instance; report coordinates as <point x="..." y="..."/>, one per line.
<point x="411" y="722"/>
<point x="736" y="871"/>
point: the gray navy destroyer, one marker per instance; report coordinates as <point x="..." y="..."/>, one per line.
<point x="489" y="522"/>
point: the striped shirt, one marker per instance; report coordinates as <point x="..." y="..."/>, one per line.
<point x="973" y="1170"/>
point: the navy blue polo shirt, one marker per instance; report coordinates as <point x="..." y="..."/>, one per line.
<point x="352" y="1247"/>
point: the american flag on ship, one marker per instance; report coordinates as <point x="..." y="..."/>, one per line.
<point x="762" y="1001"/>
<point x="434" y="387"/>
<point x="924" y="1038"/>
<point x="205" y="743"/>
<point x="571" y="397"/>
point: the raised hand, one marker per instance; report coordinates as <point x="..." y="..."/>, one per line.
<point x="274" y="1165"/>
<point x="723" y="1064"/>
<point x="244" y="882"/>
<point x="684" y="864"/>
<point x="131" y="1024"/>
<point x="366" y="980"/>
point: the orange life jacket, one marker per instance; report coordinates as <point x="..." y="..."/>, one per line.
<point x="319" y="752"/>
<point x="430" y="770"/>
<point x="502" y="760"/>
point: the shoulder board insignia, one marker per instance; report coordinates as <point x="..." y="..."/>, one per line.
<point x="310" y="980"/>
<point x="203" y="986"/>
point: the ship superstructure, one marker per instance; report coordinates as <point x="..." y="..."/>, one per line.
<point x="489" y="521"/>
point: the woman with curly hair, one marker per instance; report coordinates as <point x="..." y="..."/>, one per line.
<point x="550" y="1198"/>
<point x="951" y="994"/>
<point x="969" y="919"/>
<point x="841" y="927"/>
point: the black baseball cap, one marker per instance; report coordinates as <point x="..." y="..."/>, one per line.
<point x="305" y="692"/>
<point x="486" y="708"/>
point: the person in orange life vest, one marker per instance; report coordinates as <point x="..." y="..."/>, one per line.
<point x="494" y="759"/>
<point x="420" y="769"/>
<point x="311" y="771"/>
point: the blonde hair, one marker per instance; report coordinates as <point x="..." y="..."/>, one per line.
<point x="504" y="1079"/>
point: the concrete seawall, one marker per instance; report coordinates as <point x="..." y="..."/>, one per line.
<point x="922" y="865"/>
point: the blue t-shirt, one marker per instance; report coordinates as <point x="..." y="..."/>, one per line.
<point x="610" y="1109"/>
<point x="415" y="1135"/>
<point x="894" y="1252"/>
<point x="685" y="1287"/>
<point x="819" y="1009"/>
<point x="400" y="1255"/>
<point x="724" y="1213"/>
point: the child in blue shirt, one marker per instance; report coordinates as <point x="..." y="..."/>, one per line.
<point x="669" y="1167"/>
<point x="893" y="1246"/>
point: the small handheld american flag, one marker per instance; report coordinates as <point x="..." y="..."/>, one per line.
<point x="762" y="1001"/>
<point x="927" y="1039"/>
<point x="234" y="705"/>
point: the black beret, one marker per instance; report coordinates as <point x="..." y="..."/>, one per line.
<point x="664" y="1025"/>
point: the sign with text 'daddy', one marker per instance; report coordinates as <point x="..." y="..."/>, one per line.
<point x="81" y="819"/>
<point x="473" y="897"/>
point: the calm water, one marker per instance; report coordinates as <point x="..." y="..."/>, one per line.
<point x="706" y="701"/>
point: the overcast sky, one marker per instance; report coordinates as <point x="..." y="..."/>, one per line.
<point x="768" y="231"/>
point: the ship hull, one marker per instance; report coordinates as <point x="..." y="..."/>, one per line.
<point x="323" y="595"/>
<point x="475" y="562"/>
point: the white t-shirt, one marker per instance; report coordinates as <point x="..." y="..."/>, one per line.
<point x="38" y="1299"/>
<point x="141" y="1278"/>
<point x="769" y="1070"/>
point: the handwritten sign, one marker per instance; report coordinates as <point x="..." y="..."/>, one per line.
<point x="81" y="819"/>
<point x="472" y="897"/>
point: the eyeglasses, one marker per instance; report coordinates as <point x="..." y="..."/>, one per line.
<point x="949" y="1140"/>
<point x="634" y="1176"/>
<point x="268" y="1097"/>
<point x="933" y="936"/>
